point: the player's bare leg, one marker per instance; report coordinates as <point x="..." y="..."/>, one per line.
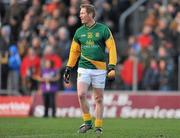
<point x="82" y="89"/>
<point x="98" y="96"/>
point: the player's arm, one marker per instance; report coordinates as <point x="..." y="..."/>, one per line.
<point x="73" y="57"/>
<point x="111" y="46"/>
<point x="74" y="54"/>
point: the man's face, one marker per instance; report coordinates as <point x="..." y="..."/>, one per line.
<point x="84" y="16"/>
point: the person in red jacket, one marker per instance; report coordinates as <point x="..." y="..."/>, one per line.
<point x="30" y="68"/>
<point x="126" y="73"/>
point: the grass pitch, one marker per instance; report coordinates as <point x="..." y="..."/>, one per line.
<point x="67" y="128"/>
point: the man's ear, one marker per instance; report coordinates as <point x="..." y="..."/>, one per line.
<point x="91" y="14"/>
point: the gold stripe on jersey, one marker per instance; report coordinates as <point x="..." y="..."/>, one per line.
<point x="110" y="44"/>
<point x="97" y="64"/>
<point x="74" y="54"/>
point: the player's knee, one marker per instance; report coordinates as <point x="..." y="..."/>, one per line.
<point x="99" y="99"/>
<point x="81" y="96"/>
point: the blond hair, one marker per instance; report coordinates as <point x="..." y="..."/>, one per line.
<point x="89" y="8"/>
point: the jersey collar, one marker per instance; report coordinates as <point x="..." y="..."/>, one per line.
<point x="90" y="27"/>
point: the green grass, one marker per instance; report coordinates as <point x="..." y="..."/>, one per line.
<point x="67" y="128"/>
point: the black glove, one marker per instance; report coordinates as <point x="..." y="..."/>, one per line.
<point x="67" y="74"/>
<point x="111" y="73"/>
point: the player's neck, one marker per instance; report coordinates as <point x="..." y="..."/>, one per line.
<point x="90" y="23"/>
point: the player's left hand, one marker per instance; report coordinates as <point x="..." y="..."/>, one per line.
<point x="111" y="74"/>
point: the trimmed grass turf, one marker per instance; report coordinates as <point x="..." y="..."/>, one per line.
<point x="67" y="128"/>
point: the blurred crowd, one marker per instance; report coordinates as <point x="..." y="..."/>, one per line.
<point x="32" y="32"/>
<point x="155" y="50"/>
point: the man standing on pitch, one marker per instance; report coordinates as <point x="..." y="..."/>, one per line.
<point x="89" y="43"/>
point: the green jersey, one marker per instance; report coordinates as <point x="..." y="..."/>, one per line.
<point x="92" y="41"/>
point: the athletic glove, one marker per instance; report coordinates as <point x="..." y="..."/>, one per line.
<point x="111" y="73"/>
<point x="67" y="74"/>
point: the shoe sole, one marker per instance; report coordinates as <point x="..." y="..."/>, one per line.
<point x="88" y="130"/>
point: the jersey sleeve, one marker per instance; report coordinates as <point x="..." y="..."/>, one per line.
<point x="75" y="38"/>
<point x="74" y="51"/>
<point x="111" y="46"/>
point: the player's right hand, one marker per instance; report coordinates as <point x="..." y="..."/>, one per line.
<point x="67" y="74"/>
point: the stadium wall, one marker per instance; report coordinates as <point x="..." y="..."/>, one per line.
<point x="124" y="105"/>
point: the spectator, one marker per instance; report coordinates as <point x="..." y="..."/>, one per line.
<point x="4" y="47"/>
<point x="52" y="41"/>
<point x="132" y="42"/>
<point x="30" y="68"/>
<point x="53" y="5"/>
<point x="151" y="76"/>
<point x="14" y="63"/>
<point x="49" y="86"/>
<point x="15" y="10"/>
<point x="175" y="33"/>
<point x="126" y="73"/>
<point x="36" y="5"/>
<point x="145" y="38"/>
<point x="164" y="76"/>
<point x="36" y="45"/>
<point x="163" y="54"/>
<point x="26" y="31"/>
<point x="53" y="26"/>
<point x="64" y="42"/>
<point x="22" y="45"/>
<point x="50" y="55"/>
<point x="161" y="31"/>
<point x="151" y="20"/>
<point x="59" y="15"/>
<point x="43" y="32"/>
